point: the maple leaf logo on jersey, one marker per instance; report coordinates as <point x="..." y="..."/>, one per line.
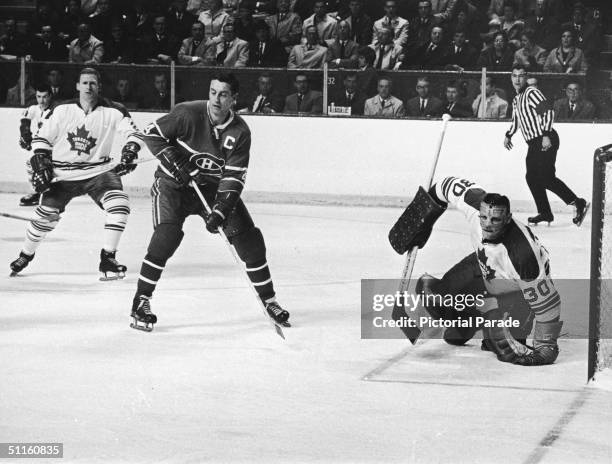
<point x="487" y="272"/>
<point x="80" y="141"/>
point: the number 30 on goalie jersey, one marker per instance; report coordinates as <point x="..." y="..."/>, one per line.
<point x="517" y="261"/>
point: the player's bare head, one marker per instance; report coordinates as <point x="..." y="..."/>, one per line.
<point x="89" y="84"/>
<point x="519" y="77"/>
<point x="494" y="215"/>
<point x="43" y="95"/>
<point x="222" y="95"/>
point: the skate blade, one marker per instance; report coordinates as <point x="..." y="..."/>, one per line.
<point x="285" y="324"/>
<point x="586" y="211"/>
<point x="143" y="328"/>
<point x="107" y="278"/>
<point x="13" y="274"/>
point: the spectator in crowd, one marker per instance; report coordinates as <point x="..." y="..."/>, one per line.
<point x="342" y="52"/>
<point x="424" y="104"/>
<point x="231" y="52"/>
<point x="119" y="48"/>
<point x="214" y="19"/>
<point x="244" y="24"/>
<point x="573" y="107"/>
<point x="469" y="24"/>
<point x="588" y="36"/>
<point x="398" y="25"/>
<point x="85" y="49"/>
<point x="367" y="76"/>
<point x="566" y="58"/>
<point x="531" y="56"/>
<point x="496" y="9"/>
<point x="546" y="29"/>
<point x="60" y="91"/>
<point x="13" y="95"/>
<point x="285" y="26"/>
<point x="44" y="16"/>
<point x="453" y="105"/>
<point x="304" y="100"/>
<point x="431" y="55"/>
<point x="143" y="20"/>
<point x="308" y="55"/>
<point x="231" y="7"/>
<point x="350" y="97"/>
<point x="49" y="47"/>
<point x="157" y="98"/>
<point x="495" y="106"/>
<point x="265" y="51"/>
<point x="384" y="104"/>
<point x="511" y="25"/>
<point x="196" y="50"/>
<point x="359" y="23"/>
<point x="488" y="37"/>
<point x="159" y="47"/>
<point x="70" y="21"/>
<point x="101" y="20"/>
<point x="460" y="55"/>
<point x="123" y="93"/>
<point x="388" y="55"/>
<point x="179" y="21"/>
<point x="419" y="29"/>
<point x="326" y="25"/>
<point x="195" y="7"/>
<point x="499" y="57"/>
<point x="13" y="44"/>
<point x="266" y="100"/>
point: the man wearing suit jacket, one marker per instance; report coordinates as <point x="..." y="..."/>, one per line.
<point x="309" y="55"/>
<point x="360" y="23"/>
<point x="326" y="26"/>
<point x="546" y="28"/>
<point x="398" y="25"/>
<point x="573" y="107"/>
<point x="231" y="52"/>
<point x="285" y="26"/>
<point x="431" y="55"/>
<point x="178" y="20"/>
<point x="384" y="104"/>
<point x="453" y="106"/>
<point x="49" y="47"/>
<point x="424" y="104"/>
<point x="196" y="50"/>
<point x="342" y="52"/>
<point x="388" y="55"/>
<point x="304" y="100"/>
<point x="265" y="100"/>
<point x="350" y="97"/>
<point x="460" y="55"/>
<point x="266" y="52"/>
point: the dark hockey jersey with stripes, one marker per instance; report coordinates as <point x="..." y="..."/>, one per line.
<point x="220" y="153"/>
<point x="515" y="262"/>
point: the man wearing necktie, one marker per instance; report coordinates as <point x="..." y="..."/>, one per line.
<point x="342" y="52"/>
<point x="398" y="25"/>
<point x="304" y="100"/>
<point x="232" y="52"/>
<point x="384" y="104"/>
<point x="309" y="55"/>
<point x="388" y="55"/>
<point x="573" y="106"/>
<point x="264" y="51"/>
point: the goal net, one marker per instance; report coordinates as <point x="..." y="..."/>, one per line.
<point x="600" y="311"/>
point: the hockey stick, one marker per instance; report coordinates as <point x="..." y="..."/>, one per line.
<point x="277" y="327"/>
<point x="50" y="218"/>
<point x="99" y="170"/>
<point x="413" y="333"/>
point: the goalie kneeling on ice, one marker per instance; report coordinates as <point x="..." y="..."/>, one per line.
<point x="478" y="322"/>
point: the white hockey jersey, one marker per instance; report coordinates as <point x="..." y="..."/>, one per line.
<point x="517" y="261"/>
<point x="80" y="141"/>
<point x="36" y="116"/>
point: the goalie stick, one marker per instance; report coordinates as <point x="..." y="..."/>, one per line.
<point x="413" y="333"/>
<point x="276" y="326"/>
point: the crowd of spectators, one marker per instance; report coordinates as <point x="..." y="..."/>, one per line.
<point x="373" y="38"/>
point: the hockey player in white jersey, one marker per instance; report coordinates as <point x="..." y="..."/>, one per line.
<point x="509" y="266"/>
<point x="30" y="122"/>
<point x="76" y="139"/>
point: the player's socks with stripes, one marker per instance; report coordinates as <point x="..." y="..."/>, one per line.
<point x="259" y="273"/>
<point x="150" y="272"/>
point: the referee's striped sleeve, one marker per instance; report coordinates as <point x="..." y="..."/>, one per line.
<point x="514" y="125"/>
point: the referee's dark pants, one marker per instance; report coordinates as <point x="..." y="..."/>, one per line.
<point x="541" y="174"/>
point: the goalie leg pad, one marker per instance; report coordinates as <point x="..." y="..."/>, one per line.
<point x="414" y="226"/>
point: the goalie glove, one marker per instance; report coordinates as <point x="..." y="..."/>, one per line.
<point x="25" y="140"/>
<point x="42" y="170"/>
<point x="176" y="164"/>
<point x="129" y="154"/>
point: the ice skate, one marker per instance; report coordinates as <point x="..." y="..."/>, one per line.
<point x="278" y="314"/>
<point x="20" y="263"/>
<point x="535" y="220"/>
<point x="143" y="318"/>
<point x="109" y="265"/>
<point x="582" y="208"/>
<point x="30" y="199"/>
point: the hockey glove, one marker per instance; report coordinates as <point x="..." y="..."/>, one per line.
<point x="129" y="154"/>
<point x="214" y="221"/>
<point x="25" y="140"/>
<point x="176" y="164"/>
<point x="42" y="170"/>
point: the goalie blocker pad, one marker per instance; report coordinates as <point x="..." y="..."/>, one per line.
<point x="414" y="226"/>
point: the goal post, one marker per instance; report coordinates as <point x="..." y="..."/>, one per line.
<point x="600" y="305"/>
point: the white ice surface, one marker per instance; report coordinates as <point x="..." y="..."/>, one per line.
<point x="213" y="383"/>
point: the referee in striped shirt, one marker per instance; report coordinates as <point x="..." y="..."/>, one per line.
<point x="534" y="116"/>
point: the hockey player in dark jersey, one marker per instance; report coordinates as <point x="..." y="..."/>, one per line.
<point x="204" y="141"/>
<point x="75" y="140"/>
<point x="509" y="266"/>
